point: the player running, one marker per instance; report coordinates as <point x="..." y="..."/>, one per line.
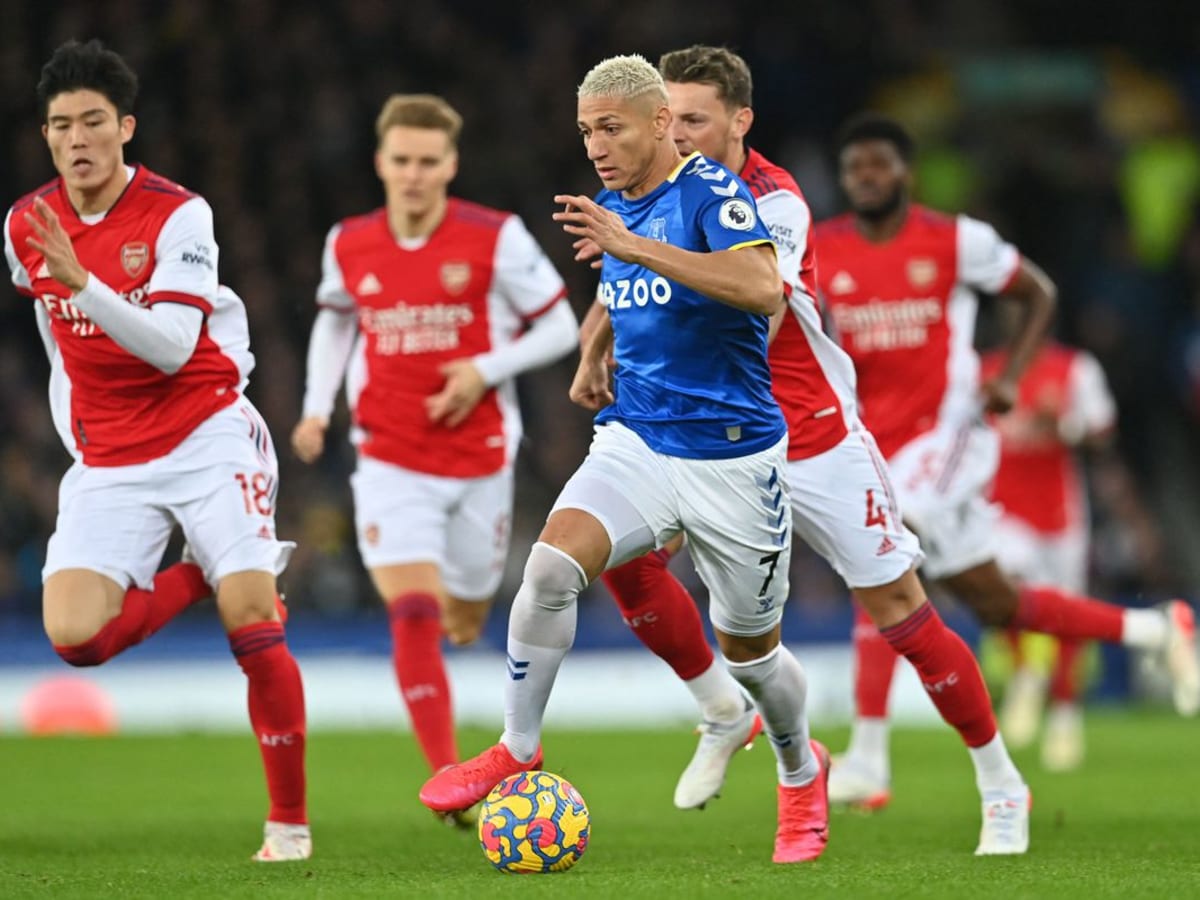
<point x="840" y="493"/>
<point x="899" y="281"/>
<point x="448" y="301"/>
<point x="149" y="359"/>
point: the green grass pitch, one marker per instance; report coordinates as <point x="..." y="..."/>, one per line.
<point x="179" y="816"/>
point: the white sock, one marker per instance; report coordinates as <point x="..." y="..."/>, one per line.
<point x="1144" y="628"/>
<point x="541" y="629"/>
<point x="994" y="768"/>
<point x="718" y="695"/>
<point x="779" y="688"/>
<point x="869" y="745"/>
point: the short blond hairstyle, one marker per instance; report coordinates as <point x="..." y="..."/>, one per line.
<point x="419" y="111"/>
<point x="627" y="77"/>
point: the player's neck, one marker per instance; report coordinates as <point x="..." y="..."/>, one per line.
<point x="878" y="230"/>
<point x="666" y="158"/>
<point x="405" y="226"/>
<point x="99" y="199"/>
<point x="737" y="159"/>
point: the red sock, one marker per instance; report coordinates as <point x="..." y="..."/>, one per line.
<point x="874" y="668"/>
<point x="949" y="672"/>
<point x="417" y="658"/>
<point x="1064" y="615"/>
<point x="276" y="700"/>
<point x="661" y="613"/>
<point x="142" y="613"/>
<point x="1064" y="679"/>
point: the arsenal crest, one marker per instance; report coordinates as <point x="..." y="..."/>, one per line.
<point x="922" y="272"/>
<point x="455" y="276"/>
<point x="134" y="258"/>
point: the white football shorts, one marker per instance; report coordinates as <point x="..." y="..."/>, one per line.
<point x="462" y="525"/>
<point x="941" y="480"/>
<point x="734" y="512"/>
<point x="219" y="486"/>
<point x="843" y="506"/>
<point x="1058" y="559"/>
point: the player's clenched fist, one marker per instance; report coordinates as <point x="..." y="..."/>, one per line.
<point x="308" y="438"/>
<point x="591" y="387"/>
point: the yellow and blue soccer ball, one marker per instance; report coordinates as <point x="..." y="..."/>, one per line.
<point x="533" y="822"/>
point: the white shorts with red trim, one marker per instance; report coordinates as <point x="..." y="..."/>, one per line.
<point x="219" y="486"/>
<point x="942" y="478"/>
<point x="462" y="525"/>
<point x="1058" y="559"/>
<point x="844" y="507"/>
<point x="734" y="512"/>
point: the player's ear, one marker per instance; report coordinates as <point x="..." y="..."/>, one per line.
<point x="742" y="120"/>
<point x="453" y="162"/>
<point x="662" y="122"/>
<point x="127" y="125"/>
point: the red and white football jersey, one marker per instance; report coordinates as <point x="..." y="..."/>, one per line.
<point x="905" y="312"/>
<point x="154" y="245"/>
<point x="1063" y="399"/>
<point x="811" y="377"/>
<point x="468" y="288"/>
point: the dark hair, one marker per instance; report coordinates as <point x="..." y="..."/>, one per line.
<point x="718" y="66"/>
<point x="91" y="67"/>
<point x="871" y="126"/>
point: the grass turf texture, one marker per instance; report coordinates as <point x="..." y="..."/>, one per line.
<point x="180" y="816"/>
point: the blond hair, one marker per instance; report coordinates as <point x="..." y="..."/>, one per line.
<point x="419" y="111"/>
<point x="627" y="77"/>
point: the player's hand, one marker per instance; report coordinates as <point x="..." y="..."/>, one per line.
<point x="999" y="395"/>
<point x="588" y="251"/>
<point x="52" y="241"/>
<point x="591" y="387"/>
<point x="308" y="438"/>
<point x="584" y="218"/>
<point x="462" y="392"/>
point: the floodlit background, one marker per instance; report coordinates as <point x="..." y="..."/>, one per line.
<point x="1071" y="126"/>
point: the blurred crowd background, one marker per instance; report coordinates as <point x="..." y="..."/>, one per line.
<point x="1070" y="125"/>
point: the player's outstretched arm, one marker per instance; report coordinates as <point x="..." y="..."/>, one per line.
<point x="746" y="278"/>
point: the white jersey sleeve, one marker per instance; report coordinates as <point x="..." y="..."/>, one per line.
<point x="523" y="273"/>
<point x="185" y="256"/>
<point x="532" y="287"/>
<point x="986" y="261"/>
<point x="332" y="289"/>
<point x="788" y="219"/>
<point x="329" y="350"/>
<point x="163" y="335"/>
<point x="20" y="278"/>
<point x="1091" y="409"/>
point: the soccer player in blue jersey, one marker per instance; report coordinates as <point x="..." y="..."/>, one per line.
<point x="692" y="442"/>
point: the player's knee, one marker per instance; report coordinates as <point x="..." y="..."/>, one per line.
<point x="552" y="579"/>
<point x="463" y="633"/>
<point x="72" y="639"/>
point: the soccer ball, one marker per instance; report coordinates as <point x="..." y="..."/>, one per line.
<point x="533" y="822"/>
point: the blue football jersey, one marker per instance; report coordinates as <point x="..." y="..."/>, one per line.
<point x="692" y="377"/>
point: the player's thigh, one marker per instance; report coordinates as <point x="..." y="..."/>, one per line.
<point x="477" y="537"/>
<point x="227" y="483"/>
<point x="957" y="539"/>
<point x="110" y="521"/>
<point x="844" y="507"/>
<point x="401" y="516"/>
<point x="736" y="515"/>
<point x="624" y="486"/>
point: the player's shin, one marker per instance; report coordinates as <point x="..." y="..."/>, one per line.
<point x="541" y="629"/>
<point x="874" y="669"/>
<point x="416" y="627"/>
<point x="276" y="702"/>
<point x="779" y="687"/>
